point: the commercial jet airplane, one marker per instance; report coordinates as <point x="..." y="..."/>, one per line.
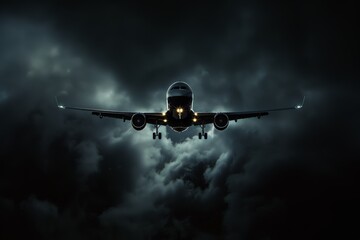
<point x="179" y="114"/>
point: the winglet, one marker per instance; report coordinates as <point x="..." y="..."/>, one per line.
<point x="302" y="104"/>
<point x="59" y="105"/>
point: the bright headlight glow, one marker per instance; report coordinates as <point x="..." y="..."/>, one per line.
<point x="195" y="114"/>
<point x="163" y="113"/>
<point x="298" y="106"/>
<point x="194" y="119"/>
<point x="165" y="120"/>
<point x="61" y="106"/>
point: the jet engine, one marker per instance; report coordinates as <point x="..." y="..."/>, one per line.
<point x="138" y="121"/>
<point x="221" y="121"/>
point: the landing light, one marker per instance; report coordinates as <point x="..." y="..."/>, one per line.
<point x="165" y="120"/>
<point x="298" y="107"/>
<point x="61" y="106"/>
<point x="164" y="113"/>
<point x="194" y="119"/>
<point x="179" y="110"/>
<point x="195" y="114"/>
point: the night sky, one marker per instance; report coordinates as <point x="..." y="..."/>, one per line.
<point x="71" y="175"/>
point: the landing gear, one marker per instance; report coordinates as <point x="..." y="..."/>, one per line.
<point x="157" y="133"/>
<point x="203" y="133"/>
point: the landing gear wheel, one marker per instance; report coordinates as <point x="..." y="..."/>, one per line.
<point x="203" y="133"/>
<point x="157" y="133"/>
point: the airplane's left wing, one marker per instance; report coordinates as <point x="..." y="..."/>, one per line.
<point x="208" y="118"/>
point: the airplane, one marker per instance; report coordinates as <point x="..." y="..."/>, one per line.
<point x="179" y="115"/>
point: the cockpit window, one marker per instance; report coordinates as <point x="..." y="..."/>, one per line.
<point x="179" y="87"/>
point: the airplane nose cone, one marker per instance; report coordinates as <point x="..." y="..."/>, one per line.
<point x="179" y="89"/>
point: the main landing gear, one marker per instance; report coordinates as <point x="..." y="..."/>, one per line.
<point x="203" y="133"/>
<point x="157" y="133"/>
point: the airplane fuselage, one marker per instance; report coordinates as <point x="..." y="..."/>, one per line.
<point x="179" y="101"/>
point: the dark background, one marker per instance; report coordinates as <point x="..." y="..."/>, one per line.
<point x="69" y="175"/>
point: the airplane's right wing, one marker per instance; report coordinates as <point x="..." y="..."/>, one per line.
<point x="155" y="118"/>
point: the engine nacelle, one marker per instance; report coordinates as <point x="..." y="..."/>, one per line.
<point x="138" y="121"/>
<point x="221" y="121"/>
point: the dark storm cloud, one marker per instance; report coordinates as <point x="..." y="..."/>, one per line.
<point x="68" y="175"/>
